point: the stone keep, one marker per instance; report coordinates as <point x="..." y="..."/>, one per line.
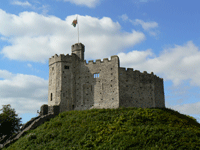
<point x="77" y="85"/>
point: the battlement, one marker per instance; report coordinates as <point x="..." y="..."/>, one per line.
<point x="61" y="57"/>
<point x="79" y="50"/>
<point x="78" y="46"/>
<point x="124" y="71"/>
<point x="105" y="60"/>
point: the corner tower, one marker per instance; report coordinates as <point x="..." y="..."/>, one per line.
<point x="79" y="50"/>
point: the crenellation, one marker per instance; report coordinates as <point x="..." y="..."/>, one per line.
<point x="98" y="61"/>
<point x="91" y="62"/>
<point x="61" y="57"/>
<point x="129" y="69"/>
<point x="77" y="85"/>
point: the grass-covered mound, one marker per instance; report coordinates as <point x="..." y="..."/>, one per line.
<point x="113" y="129"/>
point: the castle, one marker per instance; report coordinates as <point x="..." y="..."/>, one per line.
<point x="77" y="85"/>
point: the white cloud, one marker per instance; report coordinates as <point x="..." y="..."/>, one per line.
<point x="5" y="74"/>
<point x="25" y="93"/>
<point x="124" y="17"/>
<point x="176" y="64"/>
<point x="20" y="3"/>
<point x="88" y="3"/>
<point x="145" y="25"/>
<point x="36" y="37"/>
<point x="29" y="65"/>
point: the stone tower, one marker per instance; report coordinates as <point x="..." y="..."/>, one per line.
<point x="62" y="74"/>
<point x="79" y="50"/>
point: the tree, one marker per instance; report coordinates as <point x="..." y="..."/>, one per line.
<point x="9" y="123"/>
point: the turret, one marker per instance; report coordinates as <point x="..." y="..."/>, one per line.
<point x="79" y="50"/>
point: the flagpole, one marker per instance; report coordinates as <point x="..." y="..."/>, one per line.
<point x="78" y="28"/>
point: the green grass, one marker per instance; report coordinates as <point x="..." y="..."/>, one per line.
<point x="114" y="129"/>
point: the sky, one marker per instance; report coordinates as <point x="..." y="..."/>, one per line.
<point x="160" y="36"/>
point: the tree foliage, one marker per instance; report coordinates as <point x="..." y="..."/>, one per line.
<point x="9" y="121"/>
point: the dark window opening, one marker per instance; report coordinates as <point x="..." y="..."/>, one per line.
<point x="51" y="96"/>
<point x="66" y="67"/>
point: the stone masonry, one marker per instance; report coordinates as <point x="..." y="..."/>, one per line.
<point x="77" y="85"/>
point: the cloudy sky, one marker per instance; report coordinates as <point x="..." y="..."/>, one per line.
<point x="160" y="36"/>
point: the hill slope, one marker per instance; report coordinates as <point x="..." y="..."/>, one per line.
<point x="123" y="128"/>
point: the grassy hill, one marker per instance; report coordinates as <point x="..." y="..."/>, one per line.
<point x="114" y="129"/>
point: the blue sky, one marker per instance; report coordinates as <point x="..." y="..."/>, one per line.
<point x="160" y="36"/>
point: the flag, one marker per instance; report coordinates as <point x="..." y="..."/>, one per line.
<point x="74" y="22"/>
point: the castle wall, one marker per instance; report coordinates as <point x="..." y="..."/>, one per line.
<point x="77" y="85"/>
<point x="136" y="88"/>
<point x="159" y="92"/>
<point x="54" y="81"/>
<point x="74" y="86"/>
<point x="100" y="91"/>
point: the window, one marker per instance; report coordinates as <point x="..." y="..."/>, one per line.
<point x="66" y="67"/>
<point x="52" y="68"/>
<point x="51" y="96"/>
<point x="96" y="75"/>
